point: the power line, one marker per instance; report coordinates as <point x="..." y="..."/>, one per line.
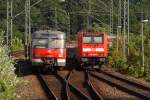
<point x="24" y="9"/>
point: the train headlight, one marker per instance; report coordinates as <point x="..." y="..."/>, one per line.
<point x="60" y="55"/>
<point x="100" y="49"/>
<point x="49" y="51"/>
<point x="87" y="49"/>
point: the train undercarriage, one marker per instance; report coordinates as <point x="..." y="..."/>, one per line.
<point x="48" y="64"/>
<point x="90" y="63"/>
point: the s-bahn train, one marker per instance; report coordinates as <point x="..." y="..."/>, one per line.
<point x="92" y="49"/>
<point x="48" y="49"/>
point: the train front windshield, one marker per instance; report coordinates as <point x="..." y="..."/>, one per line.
<point x="53" y="41"/>
<point x="40" y="43"/>
<point x="56" y="43"/>
<point x="93" y="39"/>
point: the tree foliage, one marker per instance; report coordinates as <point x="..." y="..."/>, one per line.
<point x="8" y="80"/>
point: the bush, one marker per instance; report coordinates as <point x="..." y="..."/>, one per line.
<point x="116" y="59"/>
<point x="8" y="80"/>
<point x="132" y="64"/>
<point x="101" y="28"/>
<point x="17" y="44"/>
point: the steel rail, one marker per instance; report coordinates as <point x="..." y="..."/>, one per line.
<point x="73" y="88"/>
<point x="66" y="96"/>
<point x="126" y="87"/>
<point x="50" y="94"/>
<point x="66" y="91"/>
<point x="92" y="90"/>
<point x="78" y="92"/>
<point x="122" y="78"/>
<point x="66" y="85"/>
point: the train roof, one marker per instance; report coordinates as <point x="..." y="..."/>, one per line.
<point x="48" y="32"/>
<point x="84" y="32"/>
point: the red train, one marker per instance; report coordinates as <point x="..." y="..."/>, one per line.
<point x="48" y="48"/>
<point x="92" y="48"/>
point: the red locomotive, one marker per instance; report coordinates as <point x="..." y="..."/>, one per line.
<point x="48" y="48"/>
<point x="92" y="48"/>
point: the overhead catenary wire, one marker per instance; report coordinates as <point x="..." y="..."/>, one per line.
<point x="24" y="9"/>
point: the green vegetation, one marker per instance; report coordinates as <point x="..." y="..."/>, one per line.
<point x="17" y="44"/>
<point x="132" y="64"/>
<point x="74" y="14"/>
<point x="8" y="80"/>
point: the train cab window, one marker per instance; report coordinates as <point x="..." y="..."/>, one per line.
<point x="40" y="43"/>
<point x="87" y="39"/>
<point x="98" y="39"/>
<point x="56" y="43"/>
<point x="93" y="39"/>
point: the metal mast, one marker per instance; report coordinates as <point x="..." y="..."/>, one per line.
<point x="9" y="23"/>
<point x="142" y="30"/>
<point x="111" y="17"/>
<point x="144" y="20"/>
<point x="128" y="24"/>
<point x="119" y="23"/>
<point x="89" y="14"/>
<point x="68" y="15"/>
<point x="27" y="28"/>
<point x="56" y="22"/>
<point x="126" y="27"/>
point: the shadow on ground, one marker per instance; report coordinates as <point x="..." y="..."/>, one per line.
<point x="24" y="68"/>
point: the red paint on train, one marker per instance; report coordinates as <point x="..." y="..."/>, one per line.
<point x="49" y="53"/>
<point x="92" y="46"/>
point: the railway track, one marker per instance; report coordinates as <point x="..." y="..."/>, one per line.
<point x="49" y="93"/>
<point x="94" y="94"/>
<point x="61" y="89"/>
<point x="55" y="86"/>
<point x="58" y="87"/>
<point x="123" y="84"/>
<point x="73" y="91"/>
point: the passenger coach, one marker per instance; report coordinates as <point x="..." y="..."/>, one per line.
<point x="48" y="48"/>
